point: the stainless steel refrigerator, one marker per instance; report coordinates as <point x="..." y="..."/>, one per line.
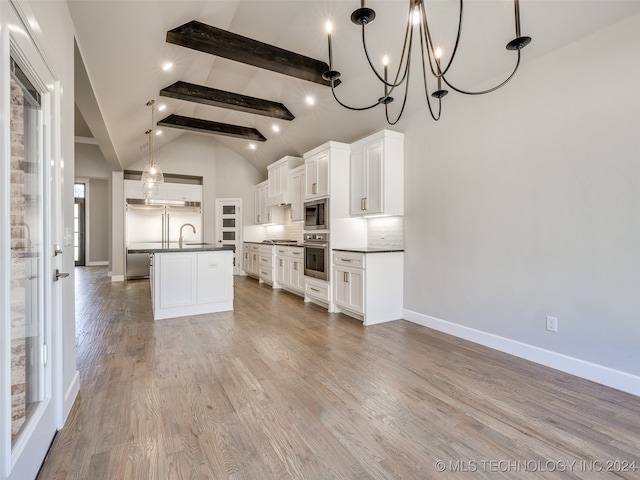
<point x="158" y="222"/>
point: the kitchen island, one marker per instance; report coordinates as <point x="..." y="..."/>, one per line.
<point x="192" y="280"/>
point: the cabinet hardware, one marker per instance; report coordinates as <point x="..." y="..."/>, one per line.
<point x="346" y="277"/>
<point x="314" y="289"/>
<point x="295" y="265"/>
<point x="347" y="260"/>
<point x="280" y="262"/>
<point x="314" y="188"/>
<point x="258" y="219"/>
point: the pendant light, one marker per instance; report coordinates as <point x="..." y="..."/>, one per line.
<point x="152" y="175"/>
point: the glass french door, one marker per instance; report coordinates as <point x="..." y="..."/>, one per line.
<point x="229" y="228"/>
<point x="28" y="413"/>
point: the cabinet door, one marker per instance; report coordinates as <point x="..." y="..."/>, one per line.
<point x="349" y="288"/>
<point x="296" y="274"/>
<point x="317" y="175"/>
<point x="355" y="279"/>
<point x="256" y="205"/>
<point x="340" y="287"/>
<point x="283" y="275"/>
<point x="297" y="195"/>
<point x="366" y="179"/>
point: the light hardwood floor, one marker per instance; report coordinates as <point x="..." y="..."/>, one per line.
<point x="280" y="389"/>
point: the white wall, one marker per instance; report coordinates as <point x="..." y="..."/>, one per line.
<point x="526" y="203"/>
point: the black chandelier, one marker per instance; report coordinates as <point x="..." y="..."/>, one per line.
<point x="417" y="16"/>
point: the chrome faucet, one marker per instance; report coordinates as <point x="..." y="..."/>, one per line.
<point x="181" y="237"/>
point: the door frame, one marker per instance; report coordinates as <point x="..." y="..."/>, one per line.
<point x="238" y="267"/>
<point x="24" y="459"/>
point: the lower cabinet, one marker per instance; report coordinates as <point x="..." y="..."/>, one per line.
<point x="290" y="269"/>
<point x="368" y="286"/>
<point x="266" y="263"/>
<point x="251" y="259"/>
<point x="191" y="283"/>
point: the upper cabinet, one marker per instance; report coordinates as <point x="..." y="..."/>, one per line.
<point x="263" y="212"/>
<point x="317" y="168"/>
<point x="377" y="174"/>
<point x="279" y="191"/>
<point x="296" y="187"/>
<point x="166" y="192"/>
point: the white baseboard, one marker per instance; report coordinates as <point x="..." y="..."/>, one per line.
<point x="590" y="371"/>
<point x="70" y="396"/>
<point x="117" y="278"/>
<point x="97" y="264"/>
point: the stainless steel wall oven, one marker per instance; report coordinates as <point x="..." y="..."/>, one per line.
<point x="316" y="255"/>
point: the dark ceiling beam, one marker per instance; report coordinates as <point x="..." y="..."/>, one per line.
<point x="208" y="39"/>
<point x="223" y="99"/>
<point x="215" y="128"/>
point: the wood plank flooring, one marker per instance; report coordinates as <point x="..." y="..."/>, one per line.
<point x="280" y="389"/>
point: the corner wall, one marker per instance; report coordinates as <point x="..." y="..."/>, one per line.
<point x="525" y="203"/>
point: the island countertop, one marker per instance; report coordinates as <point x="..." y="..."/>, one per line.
<point x="156" y="247"/>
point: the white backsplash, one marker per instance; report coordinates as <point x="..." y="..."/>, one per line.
<point x="290" y="231"/>
<point x="385" y="232"/>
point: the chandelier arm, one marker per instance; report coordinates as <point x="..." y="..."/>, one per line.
<point x="492" y="89"/>
<point x="357" y="109"/>
<point x="430" y="51"/>
<point x="402" y="58"/>
<point x="404" y="103"/>
<point x="426" y="87"/>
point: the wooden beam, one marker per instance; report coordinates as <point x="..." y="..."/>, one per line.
<point x="215" y="128"/>
<point x="223" y="99"/>
<point x="208" y="39"/>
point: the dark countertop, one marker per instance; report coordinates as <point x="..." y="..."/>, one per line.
<point x="154" y="247"/>
<point x="272" y="244"/>
<point x="369" y="250"/>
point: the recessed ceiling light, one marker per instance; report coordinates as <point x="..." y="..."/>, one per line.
<point x="161" y="107"/>
<point x="275" y="128"/>
<point x="158" y="133"/>
<point x="252" y="146"/>
<point x="167" y="66"/>
<point x="310" y="100"/>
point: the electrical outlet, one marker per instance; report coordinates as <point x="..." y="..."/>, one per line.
<point x="552" y="324"/>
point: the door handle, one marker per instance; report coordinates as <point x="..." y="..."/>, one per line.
<point x="57" y="250"/>
<point x="57" y="275"/>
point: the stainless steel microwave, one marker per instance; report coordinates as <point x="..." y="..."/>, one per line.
<point x="316" y="214"/>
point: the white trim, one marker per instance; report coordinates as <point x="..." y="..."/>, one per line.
<point x="590" y="371"/>
<point x="70" y="397"/>
<point x="85" y="140"/>
<point x="117" y="278"/>
<point x="97" y="264"/>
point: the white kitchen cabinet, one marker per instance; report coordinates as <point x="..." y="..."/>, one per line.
<point x="290" y="268"/>
<point x="368" y="286"/>
<point x="279" y="191"/>
<point x="265" y="214"/>
<point x="167" y="191"/>
<point x="348" y="277"/>
<point x="317" y="291"/>
<point x="266" y="264"/>
<point x="297" y="186"/>
<point x="192" y="283"/>
<point x="183" y="192"/>
<point x="251" y="257"/>
<point x="316" y="170"/>
<point x="377" y="175"/>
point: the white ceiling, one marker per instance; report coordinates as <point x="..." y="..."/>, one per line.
<point x="122" y="46"/>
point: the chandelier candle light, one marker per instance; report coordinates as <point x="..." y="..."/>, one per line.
<point x="430" y="55"/>
<point x="152" y="175"/>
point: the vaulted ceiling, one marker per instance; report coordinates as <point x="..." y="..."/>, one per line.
<point x="122" y="46"/>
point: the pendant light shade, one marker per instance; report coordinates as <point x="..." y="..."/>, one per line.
<point x="152" y="175"/>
